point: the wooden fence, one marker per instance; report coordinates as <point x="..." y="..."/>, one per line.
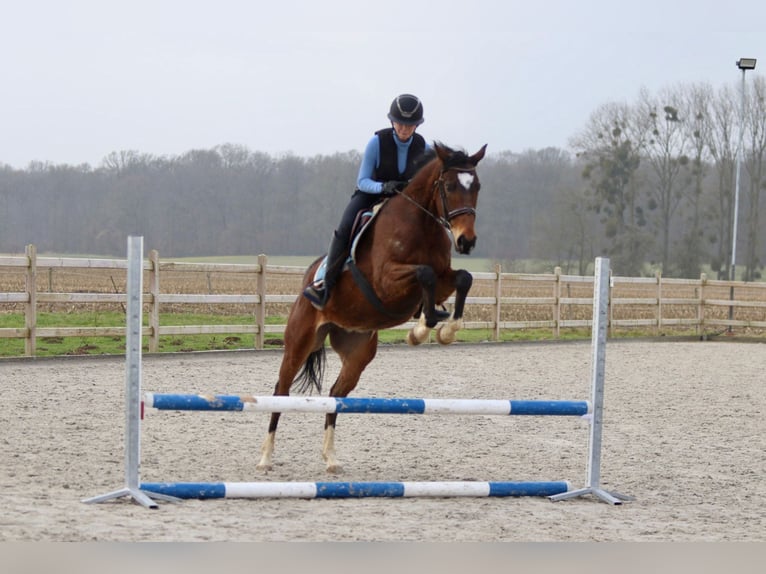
<point x="499" y="301"/>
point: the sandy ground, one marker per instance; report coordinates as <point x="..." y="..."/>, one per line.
<point x="685" y="434"/>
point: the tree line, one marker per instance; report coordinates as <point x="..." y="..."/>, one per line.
<point x="650" y="184"/>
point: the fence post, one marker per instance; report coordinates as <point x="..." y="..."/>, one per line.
<point x="557" y="302"/>
<point x="30" y="311"/>
<point x="154" y="310"/>
<point x="701" y="306"/>
<point x="610" y="291"/>
<point x="260" y="306"/>
<point x="658" y="326"/>
<point x="498" y="295"/>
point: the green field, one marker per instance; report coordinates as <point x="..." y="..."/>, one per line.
<point x="57" y="346"/>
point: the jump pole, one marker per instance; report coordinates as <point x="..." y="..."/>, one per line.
<point x="451" y="489"/>
<point x="133" y="384"/>
<point x="598" y="337"/>
<point x="348" y="405"/>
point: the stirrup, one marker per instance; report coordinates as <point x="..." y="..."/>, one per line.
<point x="316" y="294"/>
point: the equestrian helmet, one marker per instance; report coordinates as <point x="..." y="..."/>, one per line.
<point x="406" y="109"/>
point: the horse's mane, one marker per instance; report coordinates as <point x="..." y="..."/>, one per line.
<point x="455" y="158"/>
<point x="425" y="159"/>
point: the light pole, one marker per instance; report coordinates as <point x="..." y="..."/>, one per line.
<point x="743" y="64"/>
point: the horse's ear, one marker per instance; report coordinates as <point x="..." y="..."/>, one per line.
<point x="477" y="157"/>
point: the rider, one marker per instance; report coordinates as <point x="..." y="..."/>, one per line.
<point x="389" y="161"/>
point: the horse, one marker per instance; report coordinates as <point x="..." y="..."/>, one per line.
<point x="401" y="269"/>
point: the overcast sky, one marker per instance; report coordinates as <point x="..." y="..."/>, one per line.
<point x="82" y="78"/>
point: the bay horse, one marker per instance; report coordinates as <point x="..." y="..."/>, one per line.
<point x="404" y="258"/>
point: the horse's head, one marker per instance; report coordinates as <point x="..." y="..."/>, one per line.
<point x="458" y="189"/>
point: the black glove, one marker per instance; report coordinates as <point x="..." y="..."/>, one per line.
<point x="391" y="187"/>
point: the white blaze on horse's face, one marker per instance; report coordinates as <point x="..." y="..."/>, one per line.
<point x="466" y="179"/>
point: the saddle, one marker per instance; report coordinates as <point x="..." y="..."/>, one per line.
<point x="362" y="223"/>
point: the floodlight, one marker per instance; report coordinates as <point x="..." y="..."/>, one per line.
<point x="746" y="63"/>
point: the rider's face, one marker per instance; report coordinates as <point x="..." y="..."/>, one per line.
<point x="404" y="132"/>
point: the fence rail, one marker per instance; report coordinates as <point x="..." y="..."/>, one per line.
<point x="499" y="300"/>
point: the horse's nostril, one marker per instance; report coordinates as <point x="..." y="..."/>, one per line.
<point x="464" y="245"/>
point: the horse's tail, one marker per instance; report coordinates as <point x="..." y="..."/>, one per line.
<point x="312" y="373"/>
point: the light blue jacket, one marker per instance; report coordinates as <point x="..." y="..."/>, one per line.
<point x="371" y="160"/>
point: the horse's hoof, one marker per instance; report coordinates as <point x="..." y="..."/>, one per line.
<point x="334" y="469"/>
<point x="444" y="338"/>
<point x="263" y="467"/>
<point x="411" y="340"/>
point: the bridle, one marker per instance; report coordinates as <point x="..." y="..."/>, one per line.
<point x="448" y="216"/>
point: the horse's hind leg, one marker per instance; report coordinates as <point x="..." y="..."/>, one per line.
<point x="356" y="350"/>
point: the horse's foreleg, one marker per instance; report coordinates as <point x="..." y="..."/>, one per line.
<point x="446" y="333"/>
<point x="267" y="448"/>
<point x="427" y="279"/>
<point x="419" y="333"/>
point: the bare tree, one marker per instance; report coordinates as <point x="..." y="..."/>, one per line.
<point x="665" y="152"/>
<point x="755" y="129"/>
<point x="124" y="160"/>
<point x="722" y="149"/>
<point x="610" y="146"/>
<point x="697" y="100"/>
<point x="566" y="232"/>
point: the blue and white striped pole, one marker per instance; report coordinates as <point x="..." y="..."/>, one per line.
<point x="180" y="402"/>
<point x="205" y="490"/>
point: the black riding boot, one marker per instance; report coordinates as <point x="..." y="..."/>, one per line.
<point x="318" y="292"/>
